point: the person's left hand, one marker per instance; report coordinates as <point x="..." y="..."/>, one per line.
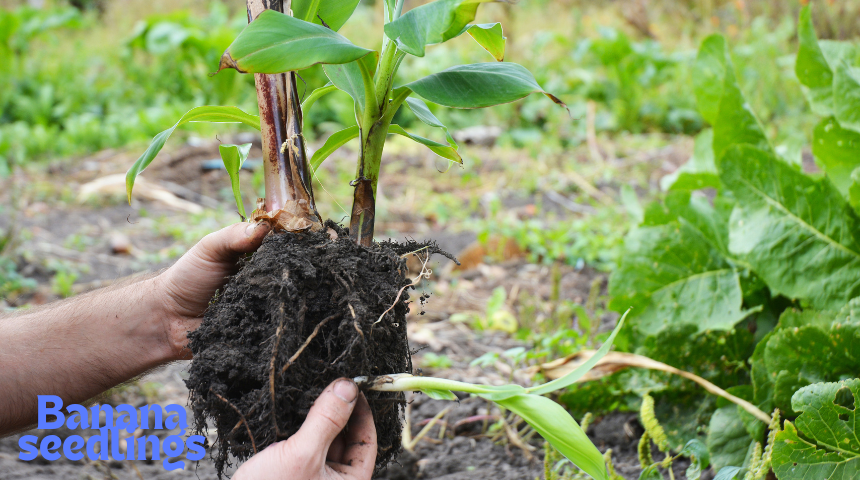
<point x="187" y="287"/>
<point x="337" y="441"/>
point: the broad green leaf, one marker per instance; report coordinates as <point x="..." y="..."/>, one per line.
<point x="349" y="78"/>
<point x="854" y="191"/>
<point x="798" y="234"/>
<point x="761" y="378"/>
<point x="709" y="76"/>
<point x="850" y="313"/>
<point x="830" y="426"/>
<point x="699" y="457"/>
<point x="700" y="171"/>
<point x="682" y="414"/>
<point x="574" y="376"/>
<point x="815" y="64"/>
<point x="491" y="37"/>
<point x="420" y="109"/>
<point x="213" y="114"/>
<point x="557" y="427"/>
<point x="684" y="301"/>
<point x="795" y="318"/>
<point x="233" y="157"/>
<point x="332" y="143"/>
<point x="846" y="96"/>
<point x="797" y="357"/>
<point x="444" y="151"/>
<point x="837" y="152"/>
<point x="333" y="12"/>
<point x="730" y="473"/>
<point x="811" y="67"/>
<point x="666" y="268"/>
<point x="433" y="23"/>
<point x="713" y="355"/>
<point x="721" y="101"/>
<point x="276" y="43"/>
<point x="728" y="440"/>
<point x="479" y="85"/>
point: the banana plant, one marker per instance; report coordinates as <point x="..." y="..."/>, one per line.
<point x="275" y="45"/>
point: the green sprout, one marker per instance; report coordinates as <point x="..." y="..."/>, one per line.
<point x="547" y="417"/>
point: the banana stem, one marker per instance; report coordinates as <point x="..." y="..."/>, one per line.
<point x="286" y="167"/>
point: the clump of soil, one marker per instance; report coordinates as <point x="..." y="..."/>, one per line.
<point x="302" y="312"/>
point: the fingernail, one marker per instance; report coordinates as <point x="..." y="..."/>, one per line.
<point x="251" y="229"/>
<point x="346" y="390"/>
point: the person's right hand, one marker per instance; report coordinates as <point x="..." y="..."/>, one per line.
<point x="321" y="449"/>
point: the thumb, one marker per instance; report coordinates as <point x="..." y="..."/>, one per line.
<point x="328" y="417"/>
<point x="227" y="244"/>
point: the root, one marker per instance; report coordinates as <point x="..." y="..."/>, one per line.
<point x="516" y="441"/>
<point x="355" y="321"/>
<point x="272" y="367"/>
<point x="425" y="273"/>
<point x="307" y="342"/>
<point x="250" y="435"/>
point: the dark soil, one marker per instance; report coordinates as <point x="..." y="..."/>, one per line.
<point x="465" y="450"/>
<point x="302" y="312"/>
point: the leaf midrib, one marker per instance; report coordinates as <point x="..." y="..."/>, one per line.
<point x="299" y="39"/>
<point x="798" y="220"/>
<point x="709" y="273"/>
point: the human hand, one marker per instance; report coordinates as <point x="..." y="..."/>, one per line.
<point x="187" y="287"/>
<point x="322" y="449"/>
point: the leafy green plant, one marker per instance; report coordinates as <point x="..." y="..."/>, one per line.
<point x="434" y="360"/>
<point x="11" y="280"/>
<point x="496" y="317"/>
<point x="635" y="72"/>
<point x="822" y="441"/>
<point x="592" y="239"/>
<point x="773" y="258"/>
<point x="771" y="229"/>
<point x="116" y="97"/>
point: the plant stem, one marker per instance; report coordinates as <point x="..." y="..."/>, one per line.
<point x="286" y="169"/>
<point x="378" y="113"/>
<point x="374" y="131"/>
<point x="404" y="382"/>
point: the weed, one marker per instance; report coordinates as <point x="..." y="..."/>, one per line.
<point x="441" y="362"/>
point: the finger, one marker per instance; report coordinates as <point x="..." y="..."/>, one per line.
<point x="360" y="441"/>
<point x="227" y="244"/>
<point x="328" y="416"/>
